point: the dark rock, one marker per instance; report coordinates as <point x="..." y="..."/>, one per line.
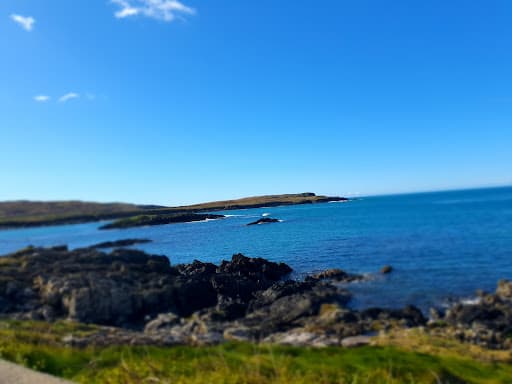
<point x="329" y="274"/>
<point x="386" y="269"/>
<point x="286" y="303"/>
<point x="335" y="275"/>
<point x="411" y="315"/>
<point x="197" y="268"/>
<point x="120" y="243"/>
<point x="126" y="286"/>
<point x="254" y="268"/>
<point x="265" y="220"/>
<point x="201" y="303"/>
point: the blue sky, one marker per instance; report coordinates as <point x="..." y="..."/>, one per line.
<point x="158" y="101"/>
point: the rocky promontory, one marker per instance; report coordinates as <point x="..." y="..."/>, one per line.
<point x="172" y="218"/>
<point x="144" y="296"/>
<point x="139" y="298"/>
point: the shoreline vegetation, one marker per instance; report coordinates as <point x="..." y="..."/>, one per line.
<point x="25" y="214"/>
<point x="421" y="359"/>
<point x="130" y="317"/>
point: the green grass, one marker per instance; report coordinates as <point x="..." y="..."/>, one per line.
<point x="37" y="345"/>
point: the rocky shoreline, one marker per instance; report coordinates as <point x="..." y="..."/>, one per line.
<point x="149" y="220"/>
<point x="137" y="298"/>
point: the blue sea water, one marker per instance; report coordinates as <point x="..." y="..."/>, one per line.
<point x="442" y="245"/>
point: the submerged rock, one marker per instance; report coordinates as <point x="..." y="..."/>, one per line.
<point x="335" y="275"/>
<point x="120" y="243"/>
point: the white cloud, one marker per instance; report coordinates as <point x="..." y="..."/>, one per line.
<point x="26" y="22"/>
<point x="166" y="10"/>
<point x="68" y="96"/>
<point x="41" y="98"/>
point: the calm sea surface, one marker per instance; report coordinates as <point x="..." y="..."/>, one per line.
<point x="442" y="245"/>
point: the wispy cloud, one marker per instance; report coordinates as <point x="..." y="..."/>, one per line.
<point x="166" y="10"/>
<point x="68" y="96"/>
<point x="26" y="22"/>
<point x="41" y="98"/>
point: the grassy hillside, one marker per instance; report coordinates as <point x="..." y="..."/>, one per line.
<point x="37" y="213"/>
<point x="22" y="208"/>
<point x="37" y="345"/>
<point x="15" y="214"/>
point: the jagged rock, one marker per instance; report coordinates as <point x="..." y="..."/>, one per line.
<point x="255" y="268"/>
<point x="201" y="303"/>
<point x="126" y="286"/>
<point x="285" y="304"/>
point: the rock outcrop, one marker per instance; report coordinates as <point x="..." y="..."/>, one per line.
<point x="334" y="275"/>
<point x="143" y="299"/>
<point x="124" y="287"/>
<point x="265" y="220"/>
<point x="487" y="321"/>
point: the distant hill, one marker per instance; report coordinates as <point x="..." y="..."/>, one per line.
<point x="262" y="201"/>
<point x="18" y="214"/>
<point x="24" y="213"/>
<point x="24" y="208"/>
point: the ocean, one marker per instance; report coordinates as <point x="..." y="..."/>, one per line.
<point x="442" y="245"/>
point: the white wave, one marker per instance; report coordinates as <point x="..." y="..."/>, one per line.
<point x="265" y="214"/>
<point x="202" y="221"/>
<point x="471" y="301"/>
